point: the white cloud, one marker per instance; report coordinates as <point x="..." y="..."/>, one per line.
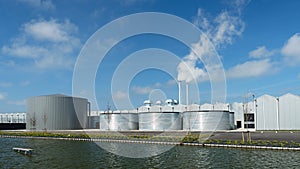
<point x="188" y="71"/>
<point x="228" y="27"/>
<point x="24" y="51"/>
<point x="254" y="68"/>
<point x="47" y="44"/>
<point x="291" y="50"/>
<point x="219" y="31"/>
<point x="17" y="102"/>
<point x="25" y="83"/>
<point x="50" y="30"/>
<point x="3" y="96"/>
<point x="157" y="84"/>
<point x="7" y="63"/>
<point x="54" y="61"/>
<point x="119" y="95"/>
<point x="141" y="90"/>
<point x="172" y="82"/>
<point x="261" y="52"/>
<point x="5" y="84"/>
<point x="224" y="27"/>
<point x="40" y="4"/>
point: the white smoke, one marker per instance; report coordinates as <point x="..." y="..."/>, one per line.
<point x="217" y="32"/>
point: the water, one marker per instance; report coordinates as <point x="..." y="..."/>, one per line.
<point x="79" y="154"/>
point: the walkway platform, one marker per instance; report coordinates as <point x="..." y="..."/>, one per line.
<point x="25" y="151"/>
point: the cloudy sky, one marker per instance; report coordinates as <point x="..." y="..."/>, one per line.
<point x="258" y="43"/>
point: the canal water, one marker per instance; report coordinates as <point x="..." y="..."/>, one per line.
<point x="81" y="154"/>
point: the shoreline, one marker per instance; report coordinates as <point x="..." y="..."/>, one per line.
<point x="161" y="143"/>
<point x="216" y="139"/>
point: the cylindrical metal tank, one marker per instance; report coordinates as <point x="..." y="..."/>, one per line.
<point x="160" y="121"/>
<point x="118" y="121"/>
<point x="206" y="120"/>
<point x="94" y="122"/>
<point x="56" y="112"/>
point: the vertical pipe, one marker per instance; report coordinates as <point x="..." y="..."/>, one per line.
<point x="187" y="93"/>
<point x="255" y="101"/>
<point x="253" y="96"/>
<point x="179" y="92"/>
<point x="254" y="110"/>
<point x="243" y="121"/>
<point x="88" y="125"/>
<point x="263" y="105"/>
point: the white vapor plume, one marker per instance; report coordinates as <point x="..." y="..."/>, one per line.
<point x="217" y="32"/>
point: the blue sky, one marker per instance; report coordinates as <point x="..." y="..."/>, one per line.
<point x="258" y="43"/>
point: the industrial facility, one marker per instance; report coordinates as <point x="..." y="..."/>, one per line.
<point x="269" y="113"/>
<point x="12" y="121"/>
<point x="263" y="113"/>
<point x="61" y="112"/>
<point x="57" y="112"/>
<point x="170" y="116"/>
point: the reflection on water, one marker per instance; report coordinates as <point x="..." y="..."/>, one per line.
<point x="134" y="150"/>
<point x="79" y="154"/>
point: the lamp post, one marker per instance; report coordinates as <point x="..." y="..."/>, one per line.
<point x="255" y="101"/>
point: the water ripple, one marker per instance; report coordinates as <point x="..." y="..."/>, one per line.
<point x="79" y="154"/>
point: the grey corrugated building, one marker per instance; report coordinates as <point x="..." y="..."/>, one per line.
<point x="56" y="112"/>
<point x="270" y="113"/>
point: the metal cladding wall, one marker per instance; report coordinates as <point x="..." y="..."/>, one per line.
<point x="237" y="108"/>
<point x="266" y="113"/>
<point x="159" y="121"/>
<point x="119" y="121"/>
<point x="94" y="122"/>
<point x="56" y="112"/>
<point x="206" y="120"/>
<point x="289" y="112"/>
<point x="231" y="120"/>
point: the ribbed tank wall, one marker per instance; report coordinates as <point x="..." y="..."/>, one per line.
<point x="119" y="121"/>
<point x="94" y="122"/>
<point x="160" y="121"/>
<point x="206" y="120"/>
<point x="231" y="120"/>
<point x="56" y="113"/>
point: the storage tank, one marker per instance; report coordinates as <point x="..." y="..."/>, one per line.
<point x="94" y="122"/>
<point x="206" y="120"/>
<point x="231" y="120"/>
<point x="159" y="121"/>
<point x="56" y="112"/>
<point x="118" y="121"/>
